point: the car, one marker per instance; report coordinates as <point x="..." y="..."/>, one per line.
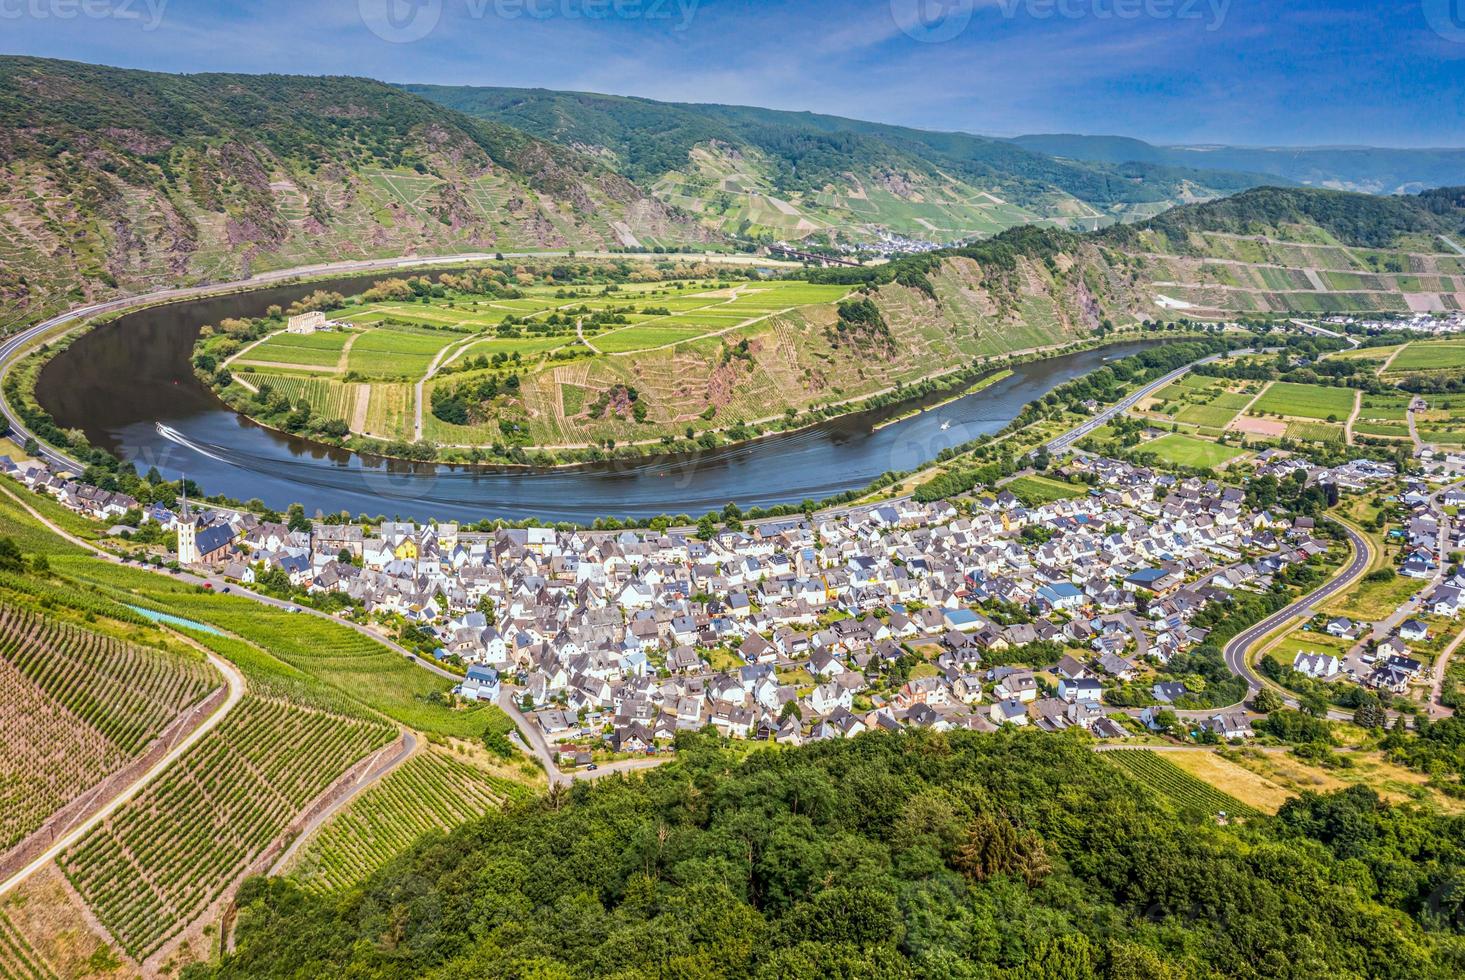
<point x="592" y="767"/>
<point x="208" y="585"/>
<point x="295" y="609"/>
<point x="224" y="589"/>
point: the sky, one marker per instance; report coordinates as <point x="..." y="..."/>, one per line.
<point x="1256" y="72"/>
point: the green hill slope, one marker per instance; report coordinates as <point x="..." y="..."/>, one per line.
<point x="770" y="173"/>
<point x="116" y="181"/>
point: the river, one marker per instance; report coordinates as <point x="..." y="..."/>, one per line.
<point x="129" y="386"/>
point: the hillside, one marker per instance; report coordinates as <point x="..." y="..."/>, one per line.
<point x="1304" y="250"/>
<point x="1012" y="855"/>
<point x="120" y="181"/>
<point x="1371" y="169"/>
<point x="769" y="173"/>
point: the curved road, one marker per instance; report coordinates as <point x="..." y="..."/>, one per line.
<point x="1236" y="650"/>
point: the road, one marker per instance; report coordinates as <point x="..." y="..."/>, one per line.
<point x="538" y="746"/>
<point x="1239" y="647"/>
<point x="234" y="680"/>
<point x="1063" y="442"/>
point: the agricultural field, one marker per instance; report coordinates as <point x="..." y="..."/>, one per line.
<point x="1174" y="784"/>
<point x="1180" y="449"/>
<point x="1443" y="419"/>
<point x="76" y="706"/>
<point x="1304" y="401"/>
<point x="156" y="864"/>
<point x="1201" y="402"/>
<point x="1034" y="491"/>
<point x="1324" y="432"/>
<point x="1422" y="355"/>
<point x="433" y="790"/>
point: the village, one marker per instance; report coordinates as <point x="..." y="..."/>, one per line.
<point x="954" y="614"/>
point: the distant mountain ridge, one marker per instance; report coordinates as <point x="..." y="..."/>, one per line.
<point x="1374" y="170"/>
<point x="774" y="174"/>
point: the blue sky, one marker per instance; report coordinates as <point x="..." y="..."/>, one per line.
<point x="1278" y="72"/>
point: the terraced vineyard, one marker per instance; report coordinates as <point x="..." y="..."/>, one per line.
<point x="157" y="863"/>
<point x="1175" y="784"/>
<point x="430" y="791"/>
<point x="75" y="707"/>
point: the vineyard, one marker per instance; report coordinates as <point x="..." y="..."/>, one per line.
<point x="76" y="706"/>
<point x="1175" y="784"/>
<point x="327" y="398"/>
<point x="18" y="961"/>
<point x="156" y="864"/>
<point x="430" y="791"/>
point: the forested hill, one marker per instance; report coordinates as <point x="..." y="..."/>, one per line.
<point x="1007" y="855"/>
<point x="118" y="180"/>
<point x="835" y="171"/>
<point x="1356" y="219"/>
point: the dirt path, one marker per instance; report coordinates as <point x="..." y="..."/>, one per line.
<point x="1316" y="280"/>
<point x="358" y="411"/>
<point x="1437" y="678"/>
<point x="580" y="332"/>
<point x="1413" y="429"/>
<point x="346" y="353"/>
<point x="437" y="362"/>
<point x="1352" y="417"/>
<point x="1389" y="360"/>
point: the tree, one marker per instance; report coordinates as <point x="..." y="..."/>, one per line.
<point x="995" y="846"/>
<point x="296" y="519"/>
<point x="1370" y="712"/>
<point x="1267" y="701"/>
<point x="11" y="560"/>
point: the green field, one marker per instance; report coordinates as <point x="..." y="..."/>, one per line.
<point x="1174" y="784"/>
<point x="1184" y="450"/>
<point x="1034" y="491"/>
<point x="1305" y="401"/>
<point x="1429" y="356"/>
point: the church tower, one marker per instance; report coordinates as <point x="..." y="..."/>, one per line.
<point x="187" y="534"/>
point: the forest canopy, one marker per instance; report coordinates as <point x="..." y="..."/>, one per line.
<point x="1008" y="855"/>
